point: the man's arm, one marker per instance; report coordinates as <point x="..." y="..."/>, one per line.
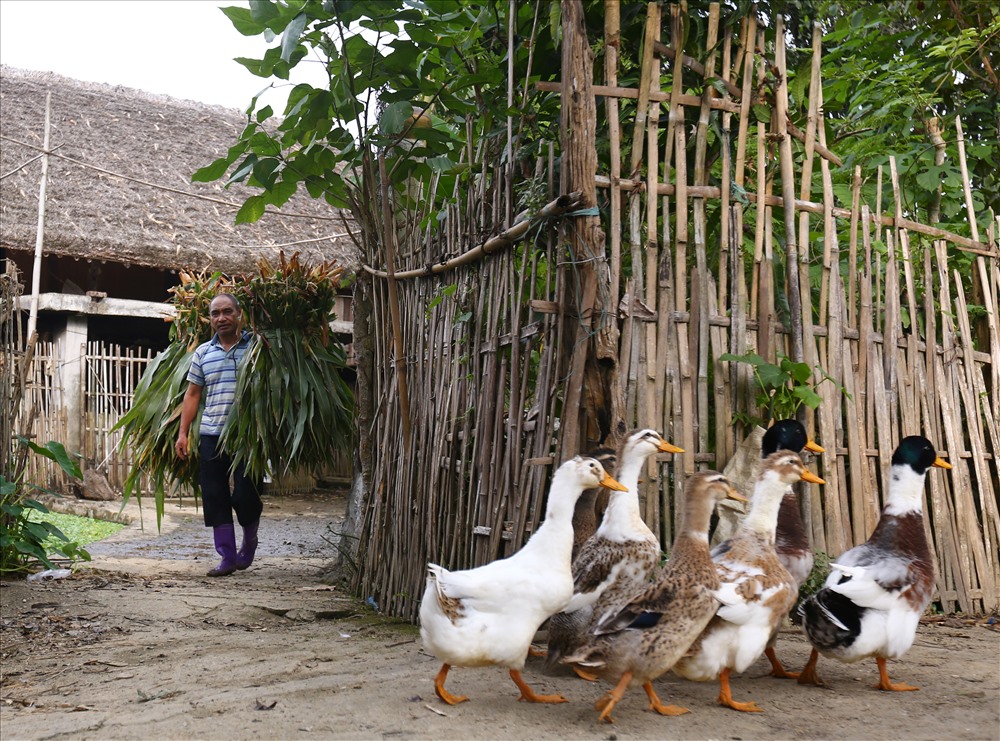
<point x="189" y="409"/>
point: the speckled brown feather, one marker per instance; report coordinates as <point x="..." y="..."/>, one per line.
<point x="647" y="636"/>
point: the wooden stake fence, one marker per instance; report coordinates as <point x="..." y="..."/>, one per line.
<point x="486" y="344"/>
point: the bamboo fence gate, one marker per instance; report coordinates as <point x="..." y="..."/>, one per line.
<point x="467" y="380"/>
<point x="110" y="374"/>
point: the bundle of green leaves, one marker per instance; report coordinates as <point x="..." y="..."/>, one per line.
<point x="293" y="407"/>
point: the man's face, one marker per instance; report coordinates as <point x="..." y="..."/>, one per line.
<point x="225" y="317"/>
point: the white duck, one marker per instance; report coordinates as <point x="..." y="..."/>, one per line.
<point x="489" y="615"/>
<point x="616" y="561"/>
<point x="874" y="597"/>
<point x="757" y="591"/>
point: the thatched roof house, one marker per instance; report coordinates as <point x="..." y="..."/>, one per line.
<point x="158" y="218"/>
<point x="122" y="217"/>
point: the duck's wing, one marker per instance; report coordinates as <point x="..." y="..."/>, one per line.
<point x="595" y="569"/>
<point x="644" y="611"/>
<point x="878" y="585"/>
<point x="474" y="584"/>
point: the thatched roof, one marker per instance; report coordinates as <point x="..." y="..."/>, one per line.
<point x="153" y="138"/>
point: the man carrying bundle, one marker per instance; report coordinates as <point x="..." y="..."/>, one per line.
<point x="213" y="376"/>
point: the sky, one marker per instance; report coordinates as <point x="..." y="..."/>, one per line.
<point x="180" y="48"/>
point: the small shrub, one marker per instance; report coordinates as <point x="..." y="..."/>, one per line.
<point x="24" y="541"/>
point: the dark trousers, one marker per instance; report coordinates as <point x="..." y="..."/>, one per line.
<point x="217" y="501"/>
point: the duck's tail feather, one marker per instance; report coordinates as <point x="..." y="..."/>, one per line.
<point x="830" y="619"/>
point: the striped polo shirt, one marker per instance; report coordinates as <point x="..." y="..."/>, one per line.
<point x="215" y="370"/>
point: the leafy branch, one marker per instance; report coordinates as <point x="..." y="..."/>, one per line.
<point x="783" y="388"/>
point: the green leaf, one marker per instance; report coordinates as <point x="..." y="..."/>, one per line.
<point x="798" y="372"/>
<point x="211" y="172"/>
<point x="440" y="164"/>
<point x="290" y="38"/>
<point x="395" y="117"/>
<point x="809" y="397"/>
<point x="244" y="21"/>
<point x="245" y="168"/>
<point x="263" y="11"/>
<point x="771" y="376"/>
<point x="251" y="210"/>
<point x="264" y="172"/>
<point x="56" y="451"/>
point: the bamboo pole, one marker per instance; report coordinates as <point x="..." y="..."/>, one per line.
<point x="684" y="367"/>
<point x="792" y="280"/>
<point x="388" y="242"/>
<point x="700" y="221"/>
<point x="725" y="444"/>
<point x="36" y="269"/>
<point x="612" y="42"/>
<point x="579" y="166"/>
<point x="501" y="241"/>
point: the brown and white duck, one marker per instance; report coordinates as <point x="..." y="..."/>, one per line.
<point x="616" y="561"/>
<point x="641" y="641"/>
<point x="874" y="597"/>
<point x="757" y="591"/>
<point x="791" y="540"/>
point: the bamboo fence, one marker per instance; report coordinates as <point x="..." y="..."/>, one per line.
<point x="455" y="467"/>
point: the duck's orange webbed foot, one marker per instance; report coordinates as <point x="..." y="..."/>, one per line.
<point x="583" y="673"/>
<point x="528" y="694"/>
<point x="607" y="703"/>
<point x="441" y="692"/>
<point x="777" y="668"/>
<point x="887" y="685"/>
<point x="808" y="674"/>
<point x="726" y="696"/>
<point x="658" y="706"/>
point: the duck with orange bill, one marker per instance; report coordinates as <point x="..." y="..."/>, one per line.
<point x="616" y="561"/>
<point x="872" y="601"/>
<point x="757" y="591"/>
<point x="640" y="641"/>
<point x="791" y="539"/>
<point x="488" y="615"/>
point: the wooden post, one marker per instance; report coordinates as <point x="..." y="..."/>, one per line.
<point x="36" y="270"/>
<point x="583" y="234"/>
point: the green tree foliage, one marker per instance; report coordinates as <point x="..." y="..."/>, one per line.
<point x="888" y="68"/>
<point x="423" y="97"/>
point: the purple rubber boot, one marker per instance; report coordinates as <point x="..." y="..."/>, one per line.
<point x="249" y="548"/>
<point x="225" y="546"/>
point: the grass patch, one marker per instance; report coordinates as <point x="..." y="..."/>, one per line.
<point x="79" y="530"/>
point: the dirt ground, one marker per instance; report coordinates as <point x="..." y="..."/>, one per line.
<point x="140" y="644"/>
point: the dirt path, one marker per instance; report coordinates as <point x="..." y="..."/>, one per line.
<point x="142" y="645"/>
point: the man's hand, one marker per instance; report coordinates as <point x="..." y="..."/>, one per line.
<point x="181" y="447"/>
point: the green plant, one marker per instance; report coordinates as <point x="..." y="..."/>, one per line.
<point x="80" y="530"/>
<point x="293" y="406"/>
<point x="817" y="577"/>
<point x="23" y="540"/>
<point x="782" y="388"/>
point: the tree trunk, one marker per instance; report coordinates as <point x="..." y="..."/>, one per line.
<point x="590" y="362"/>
